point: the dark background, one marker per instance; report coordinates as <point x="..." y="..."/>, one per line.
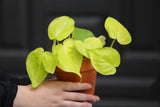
<point x="23" y="27"/>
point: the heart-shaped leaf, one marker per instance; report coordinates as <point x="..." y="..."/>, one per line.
<point x="81" y="34"/>
<point x="105" y="60"/>
<point x="69" y="59"/>
<point x="49" y="62"/>
<point x="117" y="31"/>
<point x="34" y="66"/>
<point x="60" y="28"/>
<point x="89" y="43"/>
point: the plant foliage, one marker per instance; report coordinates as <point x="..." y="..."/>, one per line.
<point x="68" y="53"/>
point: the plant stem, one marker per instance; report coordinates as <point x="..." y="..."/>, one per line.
<point x="112" y="43"/>
<point x="57" y="42"/>
<point x="54" y="44"/>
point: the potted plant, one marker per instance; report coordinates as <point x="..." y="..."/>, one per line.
<point x="76" y="49"/>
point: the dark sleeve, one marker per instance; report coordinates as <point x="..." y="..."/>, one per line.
<point x="8" y="91"/>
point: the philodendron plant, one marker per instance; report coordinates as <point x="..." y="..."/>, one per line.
<point x="71" y="44"/>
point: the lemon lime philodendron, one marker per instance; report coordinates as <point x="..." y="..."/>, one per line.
<point x="71" y="44"/>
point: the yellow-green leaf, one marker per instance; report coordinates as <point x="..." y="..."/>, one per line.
<point x="49" y="62"/>
<point x="69" y="59"/>
<point x="102" y="38"/>
<point x="89" y="43"/>
<point x="105" y="60"/>
<point x="35" y="68"/>
<point x="117" y="31"/>
<point x="60" y="28"/>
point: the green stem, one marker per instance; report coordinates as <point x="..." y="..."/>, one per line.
<point x="57" y="42"/>
<point x="54" y="44"/>
<point x="112" y="43"/>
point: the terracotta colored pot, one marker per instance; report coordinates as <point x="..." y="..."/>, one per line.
<point x="88" y="75"/>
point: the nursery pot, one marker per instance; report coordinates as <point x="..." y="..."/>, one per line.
<point x="88" y="75"/>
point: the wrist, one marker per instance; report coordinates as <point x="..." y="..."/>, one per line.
<point x="22" y="95"/>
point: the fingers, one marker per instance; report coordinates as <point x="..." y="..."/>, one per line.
<point x="73" y="96"/>
<point x="97" y="98"/>
<point x="75" y="104"/>
<point x="70" y="86"/>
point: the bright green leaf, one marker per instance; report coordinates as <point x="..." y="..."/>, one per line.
<point x="60" y="28"/>
<point x="117" y="31"/>
<point x="35" y="68"/>
<point x="68" y="43"/>
<point x="102" y="38"/>
<point x="69" y="59"/>
<point x="89" y="43"/>
<point x="49" y="62"/>
<point x="105" y="60"/>
<point x="81" y="34"/>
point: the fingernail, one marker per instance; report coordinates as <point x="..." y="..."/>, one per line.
<point x="94" y="99"/>
<point x="98" y="98"/>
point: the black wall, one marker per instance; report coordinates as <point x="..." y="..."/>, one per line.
<point x="23" y="27"/>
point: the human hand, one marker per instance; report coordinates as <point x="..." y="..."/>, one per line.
<point x="54" y="94"/>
